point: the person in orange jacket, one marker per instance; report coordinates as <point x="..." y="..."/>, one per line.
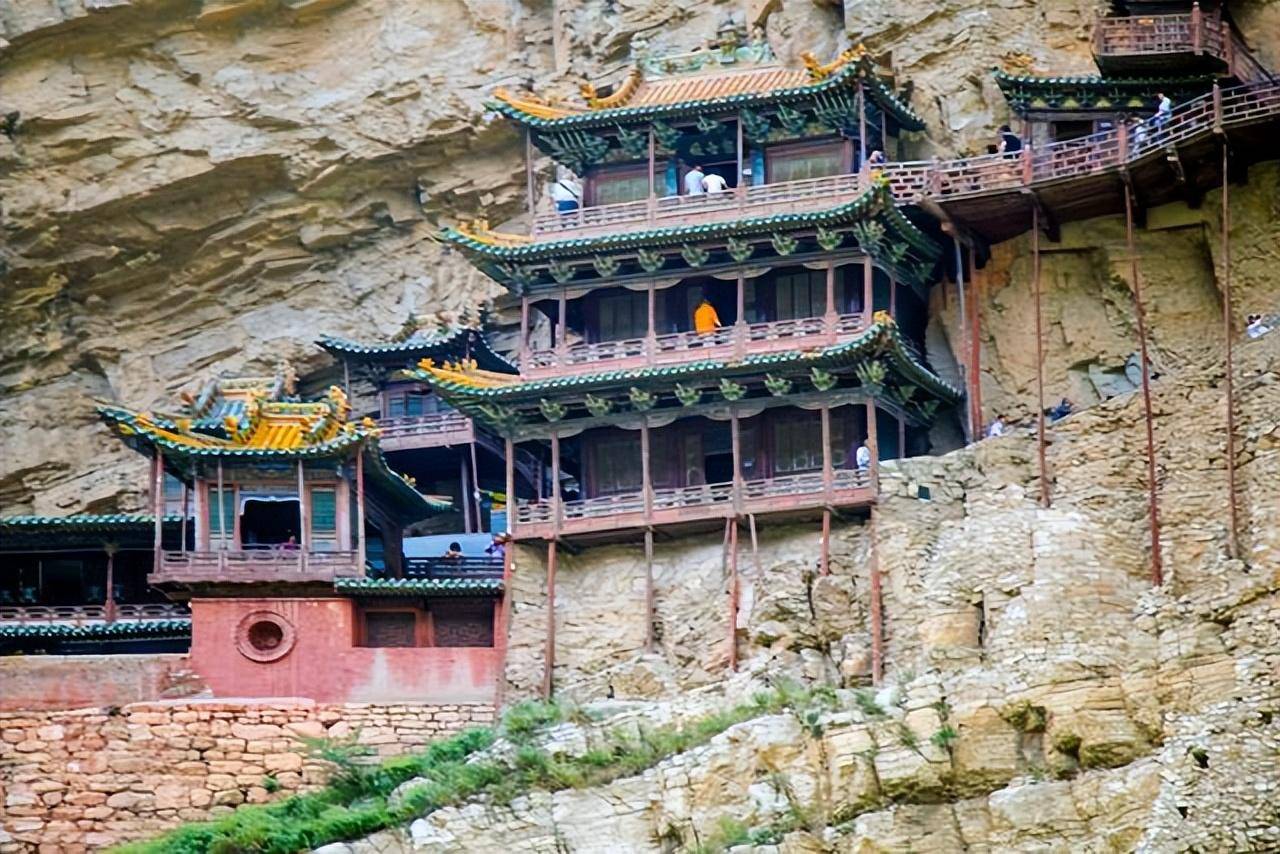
<point x="705" y="318"/>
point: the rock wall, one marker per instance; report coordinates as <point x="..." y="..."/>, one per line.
<point x="78" y="780"/>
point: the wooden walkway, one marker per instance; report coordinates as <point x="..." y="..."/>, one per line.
<point x="992" y="196"/>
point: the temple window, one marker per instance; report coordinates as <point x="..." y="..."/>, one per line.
<point x="224" y="532"/>
<point x="269" y="520"/>
<point x="462" y="622"/>
<point x="324" y="519"/>
<point x="611" y="185"/>
<point x="797" y="444"/>
<point x="803" y="160"/>
<point x="621" y="315"/>
<point x="390" y="628"/>
<point x="613" y="464"/>
<point x="173" y="495"/>
<point x="399" y="401"/>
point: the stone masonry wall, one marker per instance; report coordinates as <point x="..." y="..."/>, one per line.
<point x="78" y="780"/>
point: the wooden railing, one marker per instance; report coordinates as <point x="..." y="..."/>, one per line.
<point x="92" y="613"/>
<point x="437" y="428"/>
<point x="737" y="340"/>
<point x="1145" y="35"/>
<point x="941" y="180"/>
<point x="690" y="503"/>
<point x="453" y="567"/>
<point x="267" y="565"/>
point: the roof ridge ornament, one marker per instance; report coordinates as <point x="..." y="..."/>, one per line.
<point x="820" y="71"/>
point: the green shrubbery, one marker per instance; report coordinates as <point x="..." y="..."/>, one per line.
<point x="355" y="802"/>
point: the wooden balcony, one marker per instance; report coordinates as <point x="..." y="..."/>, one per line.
<point x="266" y="566"/>
<point x="457" y="567"/>
<point x="86" y="614"/>
<point x="1164" y="43"/>
<point x="436" y="430"/>
<point x="543" y="520"/>
<point x="729" y="342"/>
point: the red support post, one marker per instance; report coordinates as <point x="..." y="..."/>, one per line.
<point x="360" y="536"/>
<point x="109" y="606"/>
<point x="975" y="354"/>
<point x="1035" y="284"/>
<point x="549" y="656"/>
<point x="157" y="504"/>
<point x="733" y="593"/>
<point x="877" y="610"/>
<point x="1153" y="509"/>
<point x="648" y="590"/>
<point x="1197" y="29"/>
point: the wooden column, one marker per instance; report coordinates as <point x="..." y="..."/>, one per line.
<point x="511" y="486"/>
<point x="556" y="509"/>
<point x="524" y="334"/>
<point x="549" y="656"/>
<point x="562" y="315"/>
<point x="304" y="518"/>
<point x="1153" y="509"/>
<point x="528" y="171"/>
<point x="466" y="498"/>
<point x="157" y="504"/>
<point x="346" y="377"/>
<point x="648" y="590"/>
<point x="739" y="186"/>
<point x="740" y="327"/>
<point x="186" y="496"/>
<point x="1197" y="29"/>
<point x="862" y="124"/>
<point x="902" y="438"/>
<point x="1228" y="334"/>
<point x="868" y="289"/>
<point x="962" y="317"/>
<point x="109" y="604"/>
<point x="646" y="473"/>
<point x="504" y="622"/>
<point x="873" y="445"/>
<point x="824" y="557"/>
<point x="1035" y="286"/>
<point x="877" y="611"/>
<point x="653" y="183"/>
<point x="651" y="336"/>
<point x="735" y="436"/>
<point x="475" y="485"/>
<point x="733" y="593"/>
<point x="975" y="354"/>
<point x="893" y="293"/>
<point x="360" y="535"/>
<point x="830" y="316"/>
<point x="825" y="412"/>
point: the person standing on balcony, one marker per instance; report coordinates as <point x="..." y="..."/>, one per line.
<point x="862" y="456"/>
<point x="705" y="318"/>
<point x="1010" y="142"/>
<point x="566" y="193"/>
<point x="1164" y="112"/>
<point x="693" y="179"/>
<point x="713" y="183"/>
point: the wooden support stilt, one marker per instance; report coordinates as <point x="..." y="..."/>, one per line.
<point x="824" y="559"/>
<point x="528" y="171"/>
<point x="360" y="534"/>
<point x="962" y="316"/>
<point x="648" y="590"/>
<point x="732" y="602"/>
<point x="504" y="623"/>
<point x="549" y="655"/>
<point x="109" y="605"/>
<point x="511" y="486"/>
<point x="975" y="352"/>
<point x="157" y="504"/>
<point x="755" y="545"/>
<point x="1228" y="334"/>
<point x="1035" y="285"/>
<point x="902" y="438"/>
<point x="466" y="498"/>
<point x="1153" y="509"/>
<point x="475" y="486"/>
<point x="877" y="610"/>
<point x="186" y="497"/>
<point x="733" y="593"/>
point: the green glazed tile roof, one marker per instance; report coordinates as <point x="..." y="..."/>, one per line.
<point x="86" y="522"/>
<point x="624" y="115"/>
<point x="122" y="629"/>
<point x="1032" y="92"/>
<point x="877" y="202"/>
<point x="452" y="343"/>
<point x="418" y="586"/>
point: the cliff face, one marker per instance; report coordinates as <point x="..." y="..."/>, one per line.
<point x="193" y="187"/>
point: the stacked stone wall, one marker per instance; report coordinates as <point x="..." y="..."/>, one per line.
<point x="84" y="779"/>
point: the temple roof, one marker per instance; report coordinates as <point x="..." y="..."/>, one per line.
<point x="90" y="530"/>
<point x="272" y="431"/>
<point x="640" y="97"/>
<point x="457" y="342"/>
<point x="228" y="397"/>
<point x="418" y="586"/>
<point x="1030" y="93"/>
<point x="119" y="630"/>
<point x="485" y="395"/>
<point x="498" y="254"/>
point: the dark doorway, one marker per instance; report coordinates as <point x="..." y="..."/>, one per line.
<point x="266" y="522"/>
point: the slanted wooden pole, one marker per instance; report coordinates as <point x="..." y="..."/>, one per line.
<point x="1153" y="508"/>
<point x="1228" y="334"/>
<point x="1035" y="286"/>
<point x="648" y="590"/>
<point x="549" y="658"/>
<point x="361" y="546"/>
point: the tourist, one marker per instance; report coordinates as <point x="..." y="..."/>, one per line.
<point x="693" y="179"/>
<point x="566" y="193"/>
<point x="1010" y="142"/>
<point x="862" y="456"/>
<point x="1164" y="112"/>
<point x="291" y="544"/>
<point x="454" y="552"/>
<point x="705" y="318"/>
<point x="996" y="428"/>
<point x="497" y="548"/>
<point x="713" y="183"/>
<point x="1062" y="410"/>
<point x="1257" y="326"/>
<point x="1137" y="134"/>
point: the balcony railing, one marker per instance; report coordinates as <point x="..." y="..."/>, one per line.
<point x="692" y="503"/>
<point x="1147" y="35"/>
<point x="425" y="431"/>
<point x="78" y="614"/>
<point x="453" y="567"/>
<point x="944" y="180"/>
<point x="728" y="341"/>
<point x="248" y="566"/>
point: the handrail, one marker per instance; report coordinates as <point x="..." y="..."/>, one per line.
<point x="1138" y="35"/>
<point x="92" y="613"/>
<point x="911" y="181"/>
<point x="423" y="425"/>
<point x="467" y="566"/>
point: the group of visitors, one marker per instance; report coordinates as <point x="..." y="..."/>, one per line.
<point x="699" y="183"/>
<point x="1258" y="326"/>
<point x="497" y="548"/>
<point x="998" y="426"/>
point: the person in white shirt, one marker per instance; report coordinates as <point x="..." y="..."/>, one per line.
<point x="996" y="428"/>
<point x="1257" y="326"/>
<point x="862" y="457"/>
<point x="713" y="183"/>
<point x="693" y="181"/>
<point x="566" y="193"/>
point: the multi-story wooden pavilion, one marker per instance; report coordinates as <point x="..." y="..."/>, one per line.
<point x="421" y="434"/>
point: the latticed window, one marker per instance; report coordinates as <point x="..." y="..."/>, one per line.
<point x="805" y="160"/>
<point x="615" y="466"/>
<point x="801" y="295"/>
<point x="616" y="184"/>
<point x="797" y="445"/>
<point x="390" y="628"/>
<point x="324" y="518"/>
<point x="622" y="316"/>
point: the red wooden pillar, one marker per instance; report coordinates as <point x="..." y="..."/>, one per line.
<point x="549" y="662"/>
<point x="1035" y="285"/>
<point x="157" y="503"/>
<point x="975" y="354"/>
<point x="222" y="516"/>
<point x="824" y="560"/>
<point x="735" y="436"/>
<point x="186" y="494"/>
<point x="646" y="474"/>
<point x="740" y="327"/>
<point x="733" y="593"/>
<point x="562" y="344"/>
<point x="360" y="535"/>
<point x="651" y="336"/>
<point x="653" y="189"/>
<point x="1197" y="29"/>
<point x="648" y="590"/>
<point x="511" y="485"/>
<point x="1228" y="334"/>
<point x="556" y="509"/>
<point x="877" y="610"/>
<point x="304" y="519"/>
<point x="831" y="316"/>
<point x="868" y="290"/>
<point x="873" y="445"/>
<point x="109" y="606"/>
<point x="1153" y="509"/>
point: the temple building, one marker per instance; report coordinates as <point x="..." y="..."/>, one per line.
<point x="711" y="355"/>
<point x="294" y="569"/>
